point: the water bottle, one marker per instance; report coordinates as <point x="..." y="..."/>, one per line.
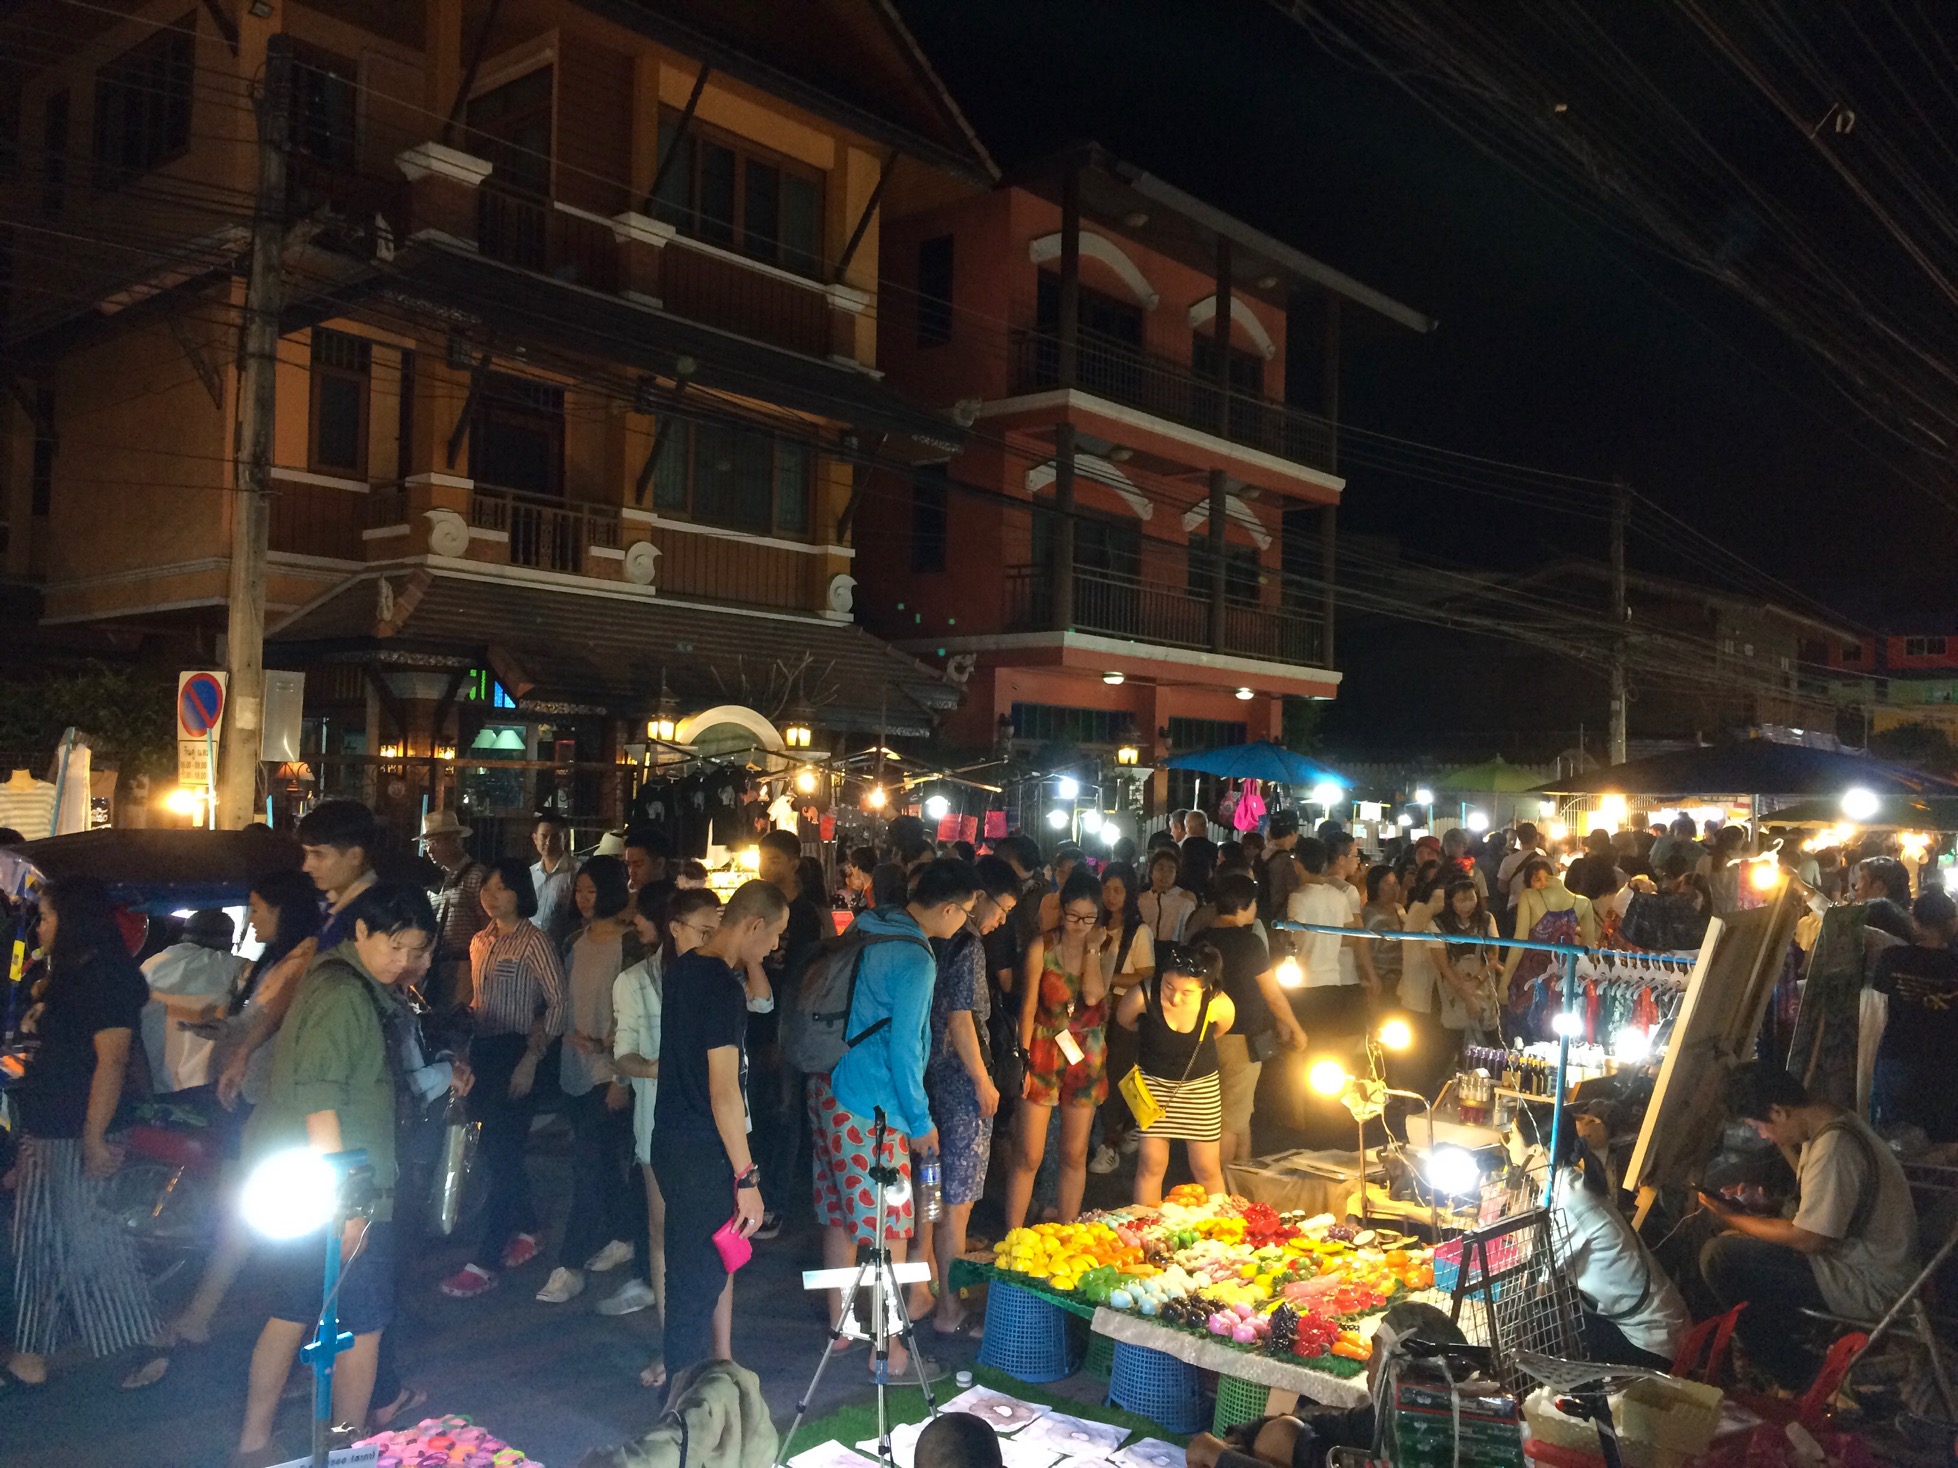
<point x="930" y="1200"/>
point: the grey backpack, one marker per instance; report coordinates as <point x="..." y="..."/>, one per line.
<point x="813" y="1027"/>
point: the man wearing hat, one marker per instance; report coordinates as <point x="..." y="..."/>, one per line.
<point x="458" y="908"/>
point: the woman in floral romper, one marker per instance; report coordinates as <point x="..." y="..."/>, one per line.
<point x="1063" y="1020"/>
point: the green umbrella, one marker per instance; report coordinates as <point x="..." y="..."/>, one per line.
<point x="1496" y="776"/>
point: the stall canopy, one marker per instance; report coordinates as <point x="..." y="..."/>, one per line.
<point x="1260" y="761"/>
<point x="1496" y="777"/>
<point x="1747" y="768"/>
<point x="160" y="870"/>
<point x="1893" y="812"/>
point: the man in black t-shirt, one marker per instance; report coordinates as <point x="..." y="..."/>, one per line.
<point x="700" y="1149"/>
<point x="1911" y="1083"/>
<point x="774" y="1088"/>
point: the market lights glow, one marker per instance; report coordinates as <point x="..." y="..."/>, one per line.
<point x="1860" y="803"/>
<point x="1327" y="793"/>
<point x="1764" y="873"/>
<point x="1091" y="821"/>
<point x="805" y="781"/>
<point x="1397" y="1034"/>
<point x="1068" y="789"/>
<point x="876" y="799"/>
<point x="1289" y="974"/>
<point x="1477" y="822"/>
<point x="1424" y="796"/>
<point x="1057" y="819"/>
<point x="1452" y="1171"/>
<point x="938" y="807"/>
<point x="290" y="1194"/>
<point x="186" y="800"/>
<point x="1327" y="1077"/>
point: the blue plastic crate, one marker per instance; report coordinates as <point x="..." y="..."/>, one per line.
<point x="1027" y="1337"/>
<point x="1156" y="1385"/>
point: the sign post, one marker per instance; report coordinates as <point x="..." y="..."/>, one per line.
<point x="200" y="721"/>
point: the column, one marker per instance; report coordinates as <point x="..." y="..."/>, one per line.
<point x="1069" y="357"/>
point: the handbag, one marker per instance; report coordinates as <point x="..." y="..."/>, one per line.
<point x="734" y="1250"/>
<point x="1134" y="1086"/>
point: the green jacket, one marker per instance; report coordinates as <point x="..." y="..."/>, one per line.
<point x="331" y="1055"/>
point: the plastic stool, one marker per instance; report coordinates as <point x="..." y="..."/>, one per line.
<point x="1238" y="1401"/>
<point x="1101" y="1356"/>
<point x="1156" y="1385"/>
<point x="1026" y="1337"/>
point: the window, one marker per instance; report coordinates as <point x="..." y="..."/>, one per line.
<point x="1048" y="723"/>
<point x="738" y="478"/>
<point x="341" y="366"/>
<point x="510" y="126"/>
<point x="54" y="152"/>
<point x="935" y="291"/>
<point x="1241" y="575"/>
<point x="516" y="440"/>
<point x="731" y="194"/>
<point x="1923" y="647"/>
<point x="142" y="106"/>
<point x="324" y="89"/>
<point x="929" y="512"/>
<point x="1189" y="734"/>
<point x="1852" y="652"/>
<point x="44" y="446"/>
<point x="1111" y="546"/>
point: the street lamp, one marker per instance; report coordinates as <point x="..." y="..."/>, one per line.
<point x="1128" y="754"/>
<point x="796" y="736"/>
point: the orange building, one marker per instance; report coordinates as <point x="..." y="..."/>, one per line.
<point x="1104" y="563"/>
<point x="577" y="383"/>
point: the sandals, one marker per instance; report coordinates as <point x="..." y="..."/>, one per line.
<point x="971" y="1326"/>
<point x="880" y="1371"/>
<point x="145" y="1376"/>
<point x="654" y="1376"/>
<point x="410" y="1399"/>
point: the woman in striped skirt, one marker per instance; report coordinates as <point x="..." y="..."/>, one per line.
<point x="1177" y="1017"/>
<point x="75" y="1270"/>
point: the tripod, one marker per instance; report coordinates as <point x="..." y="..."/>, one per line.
<point x="881" y="1278"/>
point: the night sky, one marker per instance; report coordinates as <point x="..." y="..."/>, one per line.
<point x="1562" y="345"/>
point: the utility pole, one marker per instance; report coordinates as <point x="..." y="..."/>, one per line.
<point x="251" y="515"/>
<point x="1621" y="502"/>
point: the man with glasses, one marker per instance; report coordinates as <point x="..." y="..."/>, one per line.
<point x="883" y="1072"/>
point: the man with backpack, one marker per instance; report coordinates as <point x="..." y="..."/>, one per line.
<point x="887" y="972"/>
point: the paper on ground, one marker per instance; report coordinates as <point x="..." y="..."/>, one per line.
<point x="1150" y="1452"/>
<point x="831" y="1454"/>
<point x="1074" y="1436"/>
<point x="1006" y="1414"/>
<point x="904" y="1444"/>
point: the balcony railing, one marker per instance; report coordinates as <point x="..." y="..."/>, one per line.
<point x="1127" y="606"/>
<point x="547" y="534"/>
<point x="533" y="235"/>
<point x="707" y="567"/>
<point x="316" y="520"/>
<point x="749" y="302"/>
<point x="1172" y="390"/>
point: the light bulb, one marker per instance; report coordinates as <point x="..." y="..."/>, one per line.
<point x="877" y="797"/>
<point x="1477" y="822"/>
<point x="1289" y="974"/>
<point x="1068" y="789"/>
<point x="1396" y="1034"/>
<point x="1860" y="804"/>
<point x="1327" y="794"/>
<point x="1057" y="819"/>
<point x="1110" y="833"/>
<point x="938" y="807"/>
<point x="290" y="1194"/>
<point x="1765" y="876"/>
<point x="1568" y="1024"/>
<point x="1091" y="821"/>
<point x="1245" y="695"/>
<point x="1113" y="679"/>
<point x="1453" y="1171"/>
<point x="1424" y="796"/>
<point x="1327" y="1077"/>
<point x="1632" y="1046"/>
<point x="806" y="782"/>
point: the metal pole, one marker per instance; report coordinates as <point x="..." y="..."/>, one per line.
<point x="251" y="516"/>
<point x="1620" y="617"/>
<point x="1563" y="1072"/>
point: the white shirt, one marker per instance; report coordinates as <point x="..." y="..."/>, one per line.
<point x="178" y="1058"/>
<point x="1349" y="959"/>
<point x="1611" y="1268"/>
<point x="1142" y="954"/>
<point x="1511" y="865"/>
<point x="637" y="994"/>
<point x="1167" y="913"/>
<point x="1318" y="953"/>
<point x="1859" y="1277"/>
<point x="557" y="914"/>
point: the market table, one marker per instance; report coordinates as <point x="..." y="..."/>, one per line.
<point x="1334" y="1382"/>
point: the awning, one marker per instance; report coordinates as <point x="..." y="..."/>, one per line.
<point x="572" y="651"/>
<point x="1750" y="767"/>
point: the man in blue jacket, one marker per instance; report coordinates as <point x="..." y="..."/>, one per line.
<point x="885" y="1071"/>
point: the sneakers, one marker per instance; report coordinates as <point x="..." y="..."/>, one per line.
<point x="610" y="1257"/>
<point x="564" y="1284"/>
<point x="771" y="1227"/>
<point x="519" y="1251"/>
<point x="468" y="1282"/>
<point x="634" y="1295"/>
<point x="1106" y="1159"/>
<point x="1131" y="1143"/>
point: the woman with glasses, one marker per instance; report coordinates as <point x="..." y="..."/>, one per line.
<point x="669" y="924"/>
<point x="1063" y="1031"/>
<point x="1177" y="1017"/>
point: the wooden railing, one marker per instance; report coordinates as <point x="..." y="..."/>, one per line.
<point x="317" y="520"/>
<point x="550" y="535"/>
<point x="1128" y="606"/>
<point x="1172" y="390"/>
<point x="532" y="234"/>
<point x="728" y="294"/>
<point x="717" y="568"/>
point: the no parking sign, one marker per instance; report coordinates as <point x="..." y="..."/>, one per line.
<point x="200" y="716"/>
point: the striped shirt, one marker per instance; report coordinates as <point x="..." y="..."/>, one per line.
<point x="518" y="977"/>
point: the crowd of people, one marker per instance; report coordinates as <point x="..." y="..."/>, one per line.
<point x="1072" y="1010"/>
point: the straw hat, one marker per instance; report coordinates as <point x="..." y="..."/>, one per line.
<point x="612" y="843"/>
<point x="442" y="823"/>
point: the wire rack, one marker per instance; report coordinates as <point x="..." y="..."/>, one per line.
<point x="1511" y="1296"/>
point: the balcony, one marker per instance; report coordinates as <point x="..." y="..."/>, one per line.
<point x="1170" y="389"/>
<point x="533" y="235"/>
<point x="1114" y="605"/>
<point x="701" y="565"/>
<point x="549" y="535"/>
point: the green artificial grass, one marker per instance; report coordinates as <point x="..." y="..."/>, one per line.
<point x="858" y="1422"/>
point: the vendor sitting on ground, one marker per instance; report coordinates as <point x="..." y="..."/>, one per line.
<point x="1293" y="1441"/>
<point x="1851" y="1247"/>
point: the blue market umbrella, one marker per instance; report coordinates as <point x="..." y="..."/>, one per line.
<point x="1261" y="761"/>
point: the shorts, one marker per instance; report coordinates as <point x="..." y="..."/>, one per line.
<point x="1052" y="1081"/>
<point x="366" y="1300"/>
<point x="845" y="1195"/>
<point x="1237" y="1076"/>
